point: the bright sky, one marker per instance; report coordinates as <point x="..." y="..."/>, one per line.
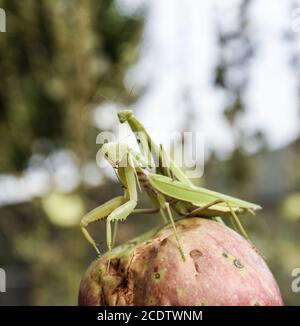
<point x="178" y="56"/>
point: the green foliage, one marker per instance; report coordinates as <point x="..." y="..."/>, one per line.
<point x="56" y="59"/>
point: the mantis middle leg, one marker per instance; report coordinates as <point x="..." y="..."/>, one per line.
<point x="165" y="207"/>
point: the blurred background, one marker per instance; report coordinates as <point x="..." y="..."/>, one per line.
<point x="227" y="68"/>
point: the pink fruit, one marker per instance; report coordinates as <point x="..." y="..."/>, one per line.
<point x="221" y="268"/>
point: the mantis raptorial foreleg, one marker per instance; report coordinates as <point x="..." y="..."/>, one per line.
<point x="102" y="212"/>
<point x="97" y="214"/>
<point x="119" y="214"/>
<point x="128" y="177"/>
<point x="116" y="209"/>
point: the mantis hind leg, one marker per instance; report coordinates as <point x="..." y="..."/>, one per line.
<point x="235" y="220"/>
<point x="199" y="209"/>
<point x="241" y="229"/>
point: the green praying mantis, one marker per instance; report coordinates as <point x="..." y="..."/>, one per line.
<point x="165" y="183"/>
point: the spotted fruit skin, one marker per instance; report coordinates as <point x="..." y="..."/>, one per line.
<point x="220" y="269"/>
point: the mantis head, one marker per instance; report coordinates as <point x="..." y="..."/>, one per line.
<point x="114" y="152"/>
<point x="124" y="115"/>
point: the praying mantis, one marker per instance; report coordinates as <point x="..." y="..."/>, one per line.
<point x="170" y="169"/>
<point x="166" y="184"/>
